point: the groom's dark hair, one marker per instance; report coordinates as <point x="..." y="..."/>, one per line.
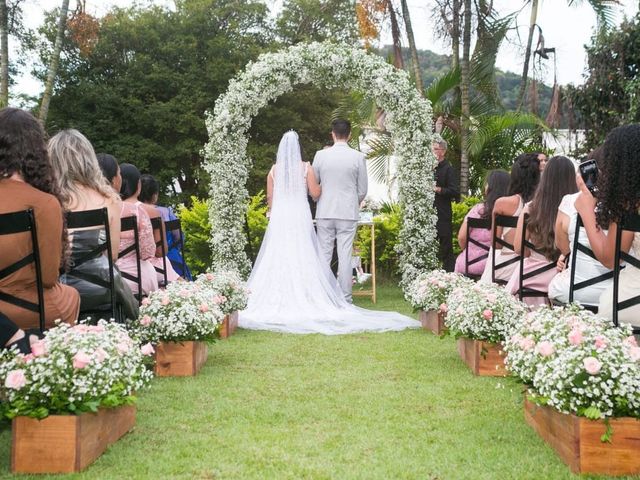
<point x="341" y="128"/>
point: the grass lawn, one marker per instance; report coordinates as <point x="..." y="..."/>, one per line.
<point x="365" y="406"/>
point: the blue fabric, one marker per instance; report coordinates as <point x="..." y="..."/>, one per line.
<point x="173" y="245"/>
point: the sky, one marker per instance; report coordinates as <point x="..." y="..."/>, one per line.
<point x="567" y="29"/>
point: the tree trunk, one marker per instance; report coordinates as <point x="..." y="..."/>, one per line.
<point x="53" y="64"/>
<point x="527" y="53"/>
<point x="398" y="61"/>
<point x="4" y="54"/>
<point x="464" y="100"/>
<point x="455" y="35"/>
<point x="412" y="46"/>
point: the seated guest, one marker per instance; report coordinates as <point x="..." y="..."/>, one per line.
<point x="149" y="190"/>
<point x="586" y="266"/>
<point x="110" y="170"/>
<point x="558" y="180"/>
<point x="149" y="196"/>
<point x="525" y="174"/>
<point x="618" y="192"/>
<point x="83" y="187"/>
<point x="496" y="186"/>
<point x="132" y="206"/>
<point x="26" y="182"/>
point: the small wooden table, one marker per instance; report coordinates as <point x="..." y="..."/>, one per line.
<point x="372" y="266"/>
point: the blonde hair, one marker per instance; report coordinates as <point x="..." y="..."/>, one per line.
<point x="75" y="164"/>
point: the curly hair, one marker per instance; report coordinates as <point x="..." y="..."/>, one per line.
<point x="558" y="180"/>
<point x="23" y="150"/>
<point x="525" y="175"/>
<point x="619" y="177"/>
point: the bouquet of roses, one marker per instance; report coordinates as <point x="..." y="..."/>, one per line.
<point x="184" y="311"/>
<point x="592" y="370"/>
<point x="483" y="312"/>
<point x="227" y="288"/>
<point x="73" y="370"/>
<point x="429" y="291"/>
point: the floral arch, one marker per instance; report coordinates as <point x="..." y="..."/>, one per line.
<point x="325" y="65"/>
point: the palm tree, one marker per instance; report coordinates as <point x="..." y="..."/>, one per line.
<point x="464" y="99"/>
<point x="602" y="8"/>
<point x="53" y="63"/>
<point x="4" y="54"/>
<point x="412" y="45"/>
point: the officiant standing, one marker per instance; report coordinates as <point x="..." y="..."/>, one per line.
<point x="447" y="191"/>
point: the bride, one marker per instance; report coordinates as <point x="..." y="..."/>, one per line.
<point x="292" y="289"/>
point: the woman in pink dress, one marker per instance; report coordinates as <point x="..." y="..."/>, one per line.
<point x="558" y="180"/>
<point x="496" y="186"/>
<point x="132" y="206"/>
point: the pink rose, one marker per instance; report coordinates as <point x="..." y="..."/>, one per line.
<point x="444" y="308"/>
<point x="28" y="357"/>
<point x="527" y="344"/>
<point x="100" y="354"/>
<point x="546" y="348"/>
<point x="634" y="353"/>
<point x="81" y="360"/>
<point x="601" y="342"/>
<point x="122" y="347"/>
<point x="96" y="328"/>
<point x="165" y="301"/>
<point x="145" y="301"/>
<point x="575" y="337"/>
<point x="487" y="314"/>
<point x="145" y="321"/>
<point x="630" y="341"/>
<point x="592" y="365"/>
<point x="210" y="277"/>
<point x="184" y="293"/>
<point x="218" y="299"/>
<point x="80" y="328"/>
<point x="15" y="379"/>
<point x="204" y="308"/>
<point x="147" y="349"/>
<point x="39" y="348"/>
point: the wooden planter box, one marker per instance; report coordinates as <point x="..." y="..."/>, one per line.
<point x="180" y="359"/>
<point x="66" y="443"/>
<point x="433" y="320"/>
<point x="483" y="358"/>
<point x="229" y="325"/>
<point x="577" y="440"/>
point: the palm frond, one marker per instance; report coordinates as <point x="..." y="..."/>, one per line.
<point x="379" y="157"/>
<point x="509" y="127"/>
<point x="605" y="9"/>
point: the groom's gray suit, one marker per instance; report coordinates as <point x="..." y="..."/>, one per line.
<point x="342" y="173"/>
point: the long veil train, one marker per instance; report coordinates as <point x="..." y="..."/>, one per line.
<point x="292" y="290"/>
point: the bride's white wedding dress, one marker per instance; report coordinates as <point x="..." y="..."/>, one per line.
<point x="291" y="289"/>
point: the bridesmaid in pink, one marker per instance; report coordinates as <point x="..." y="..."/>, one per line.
<point x="129" y="192"/>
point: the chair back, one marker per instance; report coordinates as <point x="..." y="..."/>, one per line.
<point x="172" y="226"/>
<point x="94" y="220"/>
<point x="527" y="291"/>
<point x="130" y="224"/>
<point x="501" y="221"/>
<point x="579" y="247"/>
<point x="23" y="222"/>
<point x="629" y="222"/>
<point x="478" y="223"/>
<point x="157" y="225"/>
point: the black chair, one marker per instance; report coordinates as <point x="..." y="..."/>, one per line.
<point x="128" y="224"/>
<point x="573" y="286"/>
<point x="156" y="224"/>
<point x="526" y="291"/>
<point x="630" y="222"/>
<point x="172" y="226"/>
<point x="23" y="222"/>
<point x="479" y="223"/>
<point x="94" y="220"/>
<point x="502" y="221"/>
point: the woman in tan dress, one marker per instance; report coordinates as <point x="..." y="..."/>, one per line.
<point x="26" y="181"/>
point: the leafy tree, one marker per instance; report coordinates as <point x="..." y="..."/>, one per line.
<point x="317" y="20"/>
<point x="54" y="61"/>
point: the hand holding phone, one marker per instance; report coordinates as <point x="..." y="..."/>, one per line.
<point x="589" y="173"/>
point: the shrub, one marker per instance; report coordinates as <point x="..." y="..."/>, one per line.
<point x="197" y="232"/>
<point x="387" y="227"/>
<point x="460" y="210"/>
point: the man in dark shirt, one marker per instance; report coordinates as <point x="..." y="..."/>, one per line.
<point x="447" y="190"/>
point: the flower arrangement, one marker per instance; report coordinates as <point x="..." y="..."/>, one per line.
<point x="327" y="65"/>
<point x="227" y="288"/>
<point x="73" y="370"/>
<point x="577" y="363"/>
<point x="483" y="312"/>
<point x="184" y="311"/>
<point x="429" y="291"/>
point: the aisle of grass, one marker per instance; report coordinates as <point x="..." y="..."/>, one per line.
<point x="366" y="406"/>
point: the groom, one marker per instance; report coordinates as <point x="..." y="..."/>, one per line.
<point x="342" y="173"/>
